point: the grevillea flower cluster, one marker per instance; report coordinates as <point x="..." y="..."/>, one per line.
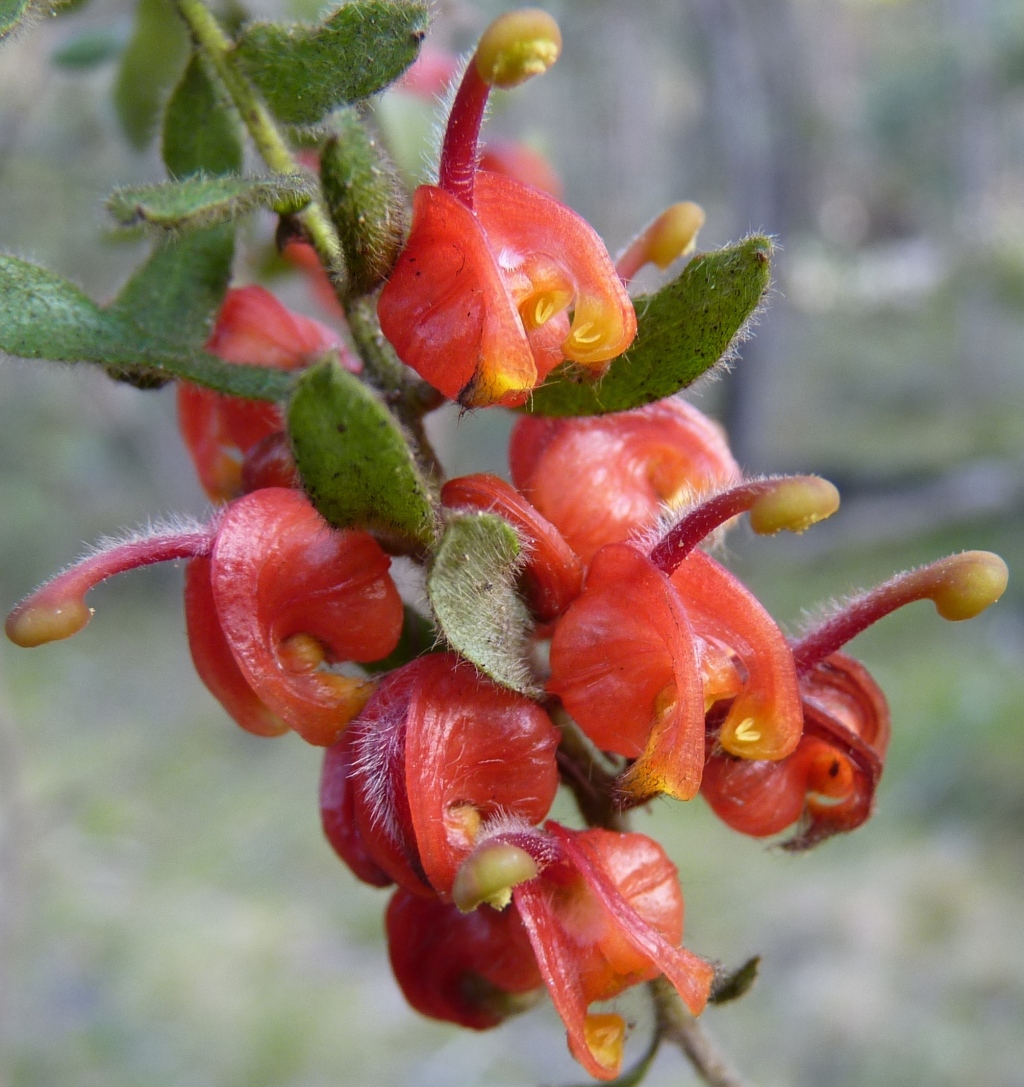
<point x="654" y="671"/>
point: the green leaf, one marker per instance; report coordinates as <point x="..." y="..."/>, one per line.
<point x="201" y="131"/>
<point x="305" y="71"/>
<point x="200" y="201"/>
<point x="43" y="316"/>
<point x="683" y="330"/>
<point x="89" y="50"/>
<point x="365" y="200"/>
<point x="472" y="589"/>
<point x="175" y="296"/>
<point x="354" y="461"/>
<point x="12" y="14"/>
<point x="730" y="985"/>
<point x="149" y="66"/>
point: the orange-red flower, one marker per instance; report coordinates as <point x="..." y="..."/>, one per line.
<point x="603" y="912"/>
<point x="603" y="478"/>
<point x="273" y="598"/>
<point x="438" y="752"/>
<point x="499" y="282"/>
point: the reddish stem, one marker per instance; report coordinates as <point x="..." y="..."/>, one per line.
<point x="458" y="165"/>
<point x="702" y="520"/>
<point x="860" y="613"/>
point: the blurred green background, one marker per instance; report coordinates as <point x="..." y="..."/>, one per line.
<point x="169" y="912"/>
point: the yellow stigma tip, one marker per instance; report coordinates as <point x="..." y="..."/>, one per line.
<point x="517" y="46"/>
<point x="968" y="583"/>
<point x="674" y="233"/>
<point x="606" y="1036"/>
<point x="793" y="505"/>
<point x="32" y="626"/>
<point x="489" y="874"/>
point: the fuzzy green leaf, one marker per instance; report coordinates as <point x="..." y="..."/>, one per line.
<point x="472" y="589"/>
<point x="43" y="316"/>
<point x="200" y="201"/>
<point x="305" y="71"/>
<point x="683" y="330"/>
<point x="354" y="461"/>
<point x="174" y="297"/>
<point x="201" y="131"/>
<point x="150" y="64"/>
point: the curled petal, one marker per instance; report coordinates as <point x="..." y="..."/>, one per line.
<point x="438" y="752"/>
<point x="447" y="311"/>
<point x="473" y="969"/>
<point x="764" y="721"/>
<point x="624" y="662"/>
<point x="293" y="594"/>
<point x="473" y="751"/>
<point x="214" y="661"/>
<point x="552" y="577"/>
<point x="599" y="480"/>
<point x="828" y="784"/>
<point x="607" y="915"/>
<point x="521" y="222"/>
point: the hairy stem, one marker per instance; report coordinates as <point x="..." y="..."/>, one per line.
<point x="217" y="47"/>
<point x="676" y="1025"/>
<point x="408" y="397"/>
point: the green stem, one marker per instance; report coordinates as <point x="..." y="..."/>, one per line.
<point x="217" y="48"/>
<point x="408" y="397"/>
<point x="675" y="1024"/>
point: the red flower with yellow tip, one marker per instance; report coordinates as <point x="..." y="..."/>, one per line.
<point x="438" y="752"/>
<point x="827" y="785"/>
<point x="498" y="282"/>
<point x="273" y="596"/>
<point x="656" y="639"/>
<point x="603" y="912"/>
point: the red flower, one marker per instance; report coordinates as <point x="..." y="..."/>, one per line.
<point x="474" y="969"/>
<point x="272" y="594"/>
<point x="828" y="784"/>
<point x="437" y="753"/>
<point x="604" y="912"/>
<point x="480" y="299"/>
<point x="220" y="431"/>
<point x="655" y="640"/>
<point x="601" y="479"/>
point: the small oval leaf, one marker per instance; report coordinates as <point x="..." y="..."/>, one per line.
<point x="472" y="589"/>
<point x="683" y="330"/>
<point x="43" y="316"/>
<point x="354" y="461"/>
<point x="200" y="201"/>
<point x="201" y="130"/>
<point x="305" y="71"/>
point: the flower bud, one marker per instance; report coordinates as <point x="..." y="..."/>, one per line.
<point x="671" y="235"/>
